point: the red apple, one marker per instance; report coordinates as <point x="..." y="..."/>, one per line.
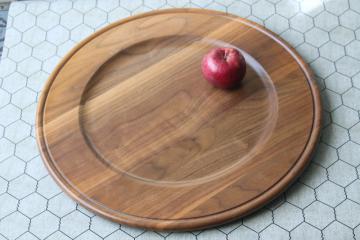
<point x="224" y="67"/>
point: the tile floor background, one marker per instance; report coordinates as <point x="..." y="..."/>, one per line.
<point x="323" y="204"/>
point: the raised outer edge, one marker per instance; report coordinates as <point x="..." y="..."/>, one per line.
<point x="201" y="222"/>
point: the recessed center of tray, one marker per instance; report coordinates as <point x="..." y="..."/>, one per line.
<point x="161" y="122"/>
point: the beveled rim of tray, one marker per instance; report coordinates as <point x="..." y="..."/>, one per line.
<point x="199" y="222"/>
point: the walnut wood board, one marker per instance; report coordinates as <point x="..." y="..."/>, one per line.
<point x="128" y="127"/>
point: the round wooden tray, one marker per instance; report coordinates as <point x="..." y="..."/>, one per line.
<point x="128" y="127"/>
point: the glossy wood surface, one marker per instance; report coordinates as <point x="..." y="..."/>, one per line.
<point x="128" y="128"/>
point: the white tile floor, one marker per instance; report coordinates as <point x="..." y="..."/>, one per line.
<point x="323" y="204"/>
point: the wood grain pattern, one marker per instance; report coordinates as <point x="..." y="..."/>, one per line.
<point x="128" y="128"/>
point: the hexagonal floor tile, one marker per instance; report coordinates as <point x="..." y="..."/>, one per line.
<point x="27" y="149"/>
<point x="325" y="155"/>
<point x="305" y="231"/>
<point x="316" y="37"/>
<point x="61" y="205"/>
<point x="86" y="211"/>
<point x="301" y="22"/>
<point x="274" y="232"/>
<point x="352" y="98"/>
<point x="8" y="204"/>
<point x="44" y="51"/>
<point x="44" y="225"/>
<point x="134" y="232"/>
<point x="240" y="9"/>
<point x="32" y="205"/>
<point x="322" y="67"/>
<point x="288" y="216"/>
<point x="353" y="49"/>
<point x="300" y="195"/>
<point x="227" y="228"/>
<point x="65" y="48"/>
<point x="331" y="100"/>
<point x="47" y="20"/>
<point x="36" y="169"/>
<point x="27" y="236"/>
<point x="336" y="7"/>
<point x="342" y="35"/>
<point x="37" y="8"/>
<point x="326" y="21"/>
<point x="107" y="6"/>
<point x="242" y="233"/>
<point x="37" y="80"/>
<point x="348" y="66"/>
<point x="11" y="168"/>
<point x="131" y="4"/>
<point x="60" y="7"/>
<point x="258" y="220"/>
<point x="82" y="7"/>
<point x="17" y="131"/>
<point x="50" y="64"/>
<point x="313" y="176"/>
<point x="103" y="227"/>
<point x="295" y="39"/>
<point x="17" y="9"/>
<point x="58" y="236"/>
<point x="312" y="8"/>
<point x="342" y="173"/>
<point x="335" y="135"/>
<point x="74" y="224"/>
<point x="14" y="82"/>
<point x="287" y="8"/>
<point x="4" y="98"/>
<point x="23" y="98"/>
<point x="355" y="133"/>
<point x="58" y="35"/>
<point x="7" y="224"/>
<point x="152" y="235"/>
<point x="348" y="213"/>
<point x="352" y="191"/>
<point x="308" y="52"/>
<point x="48" y="188"/>
<point x="8" y="66"/>
<point x="356" y="80"/>
<point x="345" y="116"/>
<point x="213" y="233"/>
<point x="13" y="37"/>
<point x="81" y="32"/>
<point x="95" y="18"/>
<point x="319" y="214"/>
<point x="277" y="23"/>
<point x="350" y="153"/>
<point x="332" y="51"/>
<point x="3" y="185"/>
<point x="117" y="14"/>
<point x="29" y="66"/>
<point x="263" y="9"/>
<point x="71" y="19"/>
<point x="22" y="186"/>
<point x="350" y="19"/>
<point x="20" y="52"/>
<point x="332" y="231"/>
<point x="6" y="148"/>
<point x="154" y="4"/>
<point x="330" y="193"/>
<point x="88" y="235"/>
<point x="24" y="21"/>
